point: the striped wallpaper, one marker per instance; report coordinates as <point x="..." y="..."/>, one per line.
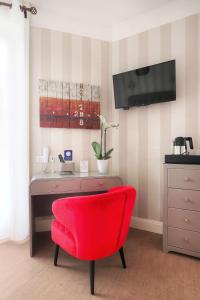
<point x="145" y="133"/>
<point x="66" y="57"/>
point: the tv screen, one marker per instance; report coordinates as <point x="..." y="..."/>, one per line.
<point x="144" y="86"/>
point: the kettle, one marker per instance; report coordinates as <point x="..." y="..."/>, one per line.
<point x="180" y="145"/>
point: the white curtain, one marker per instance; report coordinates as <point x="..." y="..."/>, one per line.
<point x="14" y="150"/>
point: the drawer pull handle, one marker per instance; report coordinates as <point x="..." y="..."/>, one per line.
<point x="186" y="220"/>
<point x="187" y="200"/>
<point x="186" y="239"/>
<point x="187" y="179"/>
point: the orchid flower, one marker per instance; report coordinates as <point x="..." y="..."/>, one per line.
<point x="104" y="125"/>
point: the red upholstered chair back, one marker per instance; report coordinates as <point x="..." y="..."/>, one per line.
<point x="97" y="224"/>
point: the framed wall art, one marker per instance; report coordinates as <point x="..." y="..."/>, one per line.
<point x="69" y="105"/>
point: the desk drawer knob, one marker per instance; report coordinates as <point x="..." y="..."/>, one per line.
<point x="186" y="239"/>
<point x="187" y="179"/>
<point x="187" y="200"/>
<point x="186" y="220"/>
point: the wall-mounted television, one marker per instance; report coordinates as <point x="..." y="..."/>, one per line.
<point x="144" y="86"/>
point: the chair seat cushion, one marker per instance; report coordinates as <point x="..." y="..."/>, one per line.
<point x="63" y="237"/>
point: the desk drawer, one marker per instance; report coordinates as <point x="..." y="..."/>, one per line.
<point x="184" y="239"/>
<point x="186" y="199"/>
<point x="184" y="179"/>
<point x="55" y="187"/>
<point x="185" y="219"/>
<point x="103" y="184"/>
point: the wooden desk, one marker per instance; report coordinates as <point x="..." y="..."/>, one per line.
<point x="45" y="188"/>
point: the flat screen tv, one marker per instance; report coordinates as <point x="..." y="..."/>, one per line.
<point x="144" y="86"/>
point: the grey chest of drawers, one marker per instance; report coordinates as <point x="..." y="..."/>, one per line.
<point x="181" y="231"/>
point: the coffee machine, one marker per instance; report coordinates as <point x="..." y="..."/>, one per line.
<point x="180" y="145"/>
<point x="181" y="152"/>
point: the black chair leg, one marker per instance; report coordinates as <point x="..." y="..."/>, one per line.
<point x="121" y="252"/>
<point x="56" y="255"/>
<point x="92" y="273"/>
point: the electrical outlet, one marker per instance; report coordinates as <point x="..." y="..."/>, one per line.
<point x="51" y="159"/>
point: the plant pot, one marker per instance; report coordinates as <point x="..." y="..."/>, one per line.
<point x="102" y="166"/>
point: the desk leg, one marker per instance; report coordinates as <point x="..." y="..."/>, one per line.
<point x="32" y="226"/>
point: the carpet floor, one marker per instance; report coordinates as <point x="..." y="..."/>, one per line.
<point x="150" y="274"/>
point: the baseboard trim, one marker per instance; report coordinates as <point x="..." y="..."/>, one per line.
<point x="147" y="225"/>
<point x="43" y="223"/>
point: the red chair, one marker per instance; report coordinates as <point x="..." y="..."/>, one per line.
<point x="93" y="227"/>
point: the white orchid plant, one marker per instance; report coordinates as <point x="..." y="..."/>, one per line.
<point x="100" y="150"/>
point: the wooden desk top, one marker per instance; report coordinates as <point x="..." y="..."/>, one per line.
<point x="53" y="176"/>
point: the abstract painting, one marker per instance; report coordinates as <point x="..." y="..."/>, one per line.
<point x="69" y="105"/>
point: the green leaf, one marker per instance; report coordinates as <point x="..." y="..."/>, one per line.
<point x="97" y="149"/>
<point x="107" y="154"/>
<point x="106" y="157"/>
